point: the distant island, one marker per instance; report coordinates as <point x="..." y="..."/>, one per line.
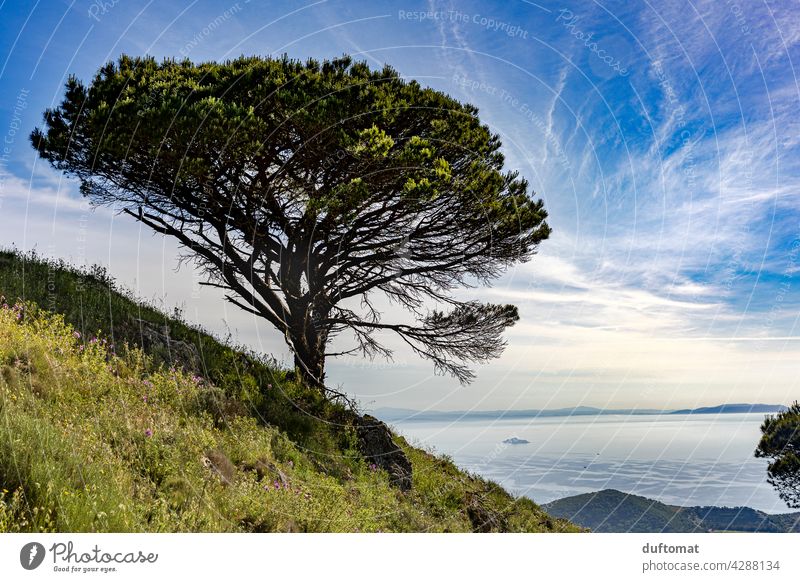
<point x="613" y="511"/>
<point x="515" y="441"/>
<point x="410" y="415"/>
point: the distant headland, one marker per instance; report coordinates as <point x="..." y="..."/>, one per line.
<point x="410" y="415"/>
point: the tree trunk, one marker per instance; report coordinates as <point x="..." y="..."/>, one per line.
<point x="309" y="343"/>
<point x="310" y="367"/>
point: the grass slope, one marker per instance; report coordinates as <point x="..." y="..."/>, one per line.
<point x="97" y="434"/>
<point x="614" y="511"/>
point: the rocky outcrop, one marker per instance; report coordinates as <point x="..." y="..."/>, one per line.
<point x="156" y="341"/>
<point x="218" y="463"/>
<point x="222" y="408"/>
<point x="266" y="470"/>
<point x="482" y="518"/>
<point x="378" y="447"/>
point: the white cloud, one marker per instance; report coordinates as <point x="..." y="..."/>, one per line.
<point x="50" y="197"/>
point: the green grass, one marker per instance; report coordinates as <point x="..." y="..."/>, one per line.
<point x="97" y="435"/>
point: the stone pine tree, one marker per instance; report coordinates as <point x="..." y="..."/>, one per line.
<point x="305" y="189"/>
<point x="780" y="442"/>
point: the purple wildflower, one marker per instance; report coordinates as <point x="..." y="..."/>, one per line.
<point x="148" y="433"/>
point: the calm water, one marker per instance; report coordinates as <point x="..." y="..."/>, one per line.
<point x="677" y="459"/>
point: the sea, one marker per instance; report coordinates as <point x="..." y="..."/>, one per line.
<point x="679" y="459"/>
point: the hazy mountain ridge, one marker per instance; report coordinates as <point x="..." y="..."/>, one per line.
<point x="614" y="511"/>
<point x="410" y="415"/>
<point x="733" y="409"/>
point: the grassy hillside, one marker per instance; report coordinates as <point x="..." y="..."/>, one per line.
<point x="116" y="417"/>
<point x="614" y="511"/>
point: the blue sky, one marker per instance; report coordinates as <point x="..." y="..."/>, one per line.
<point x="663" y="137"/>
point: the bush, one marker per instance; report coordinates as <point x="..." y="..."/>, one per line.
<point x="780" y="442"/>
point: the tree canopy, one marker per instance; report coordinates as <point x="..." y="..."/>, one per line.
<point x="780" y="442"/>
<point x="304" y="188"/>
